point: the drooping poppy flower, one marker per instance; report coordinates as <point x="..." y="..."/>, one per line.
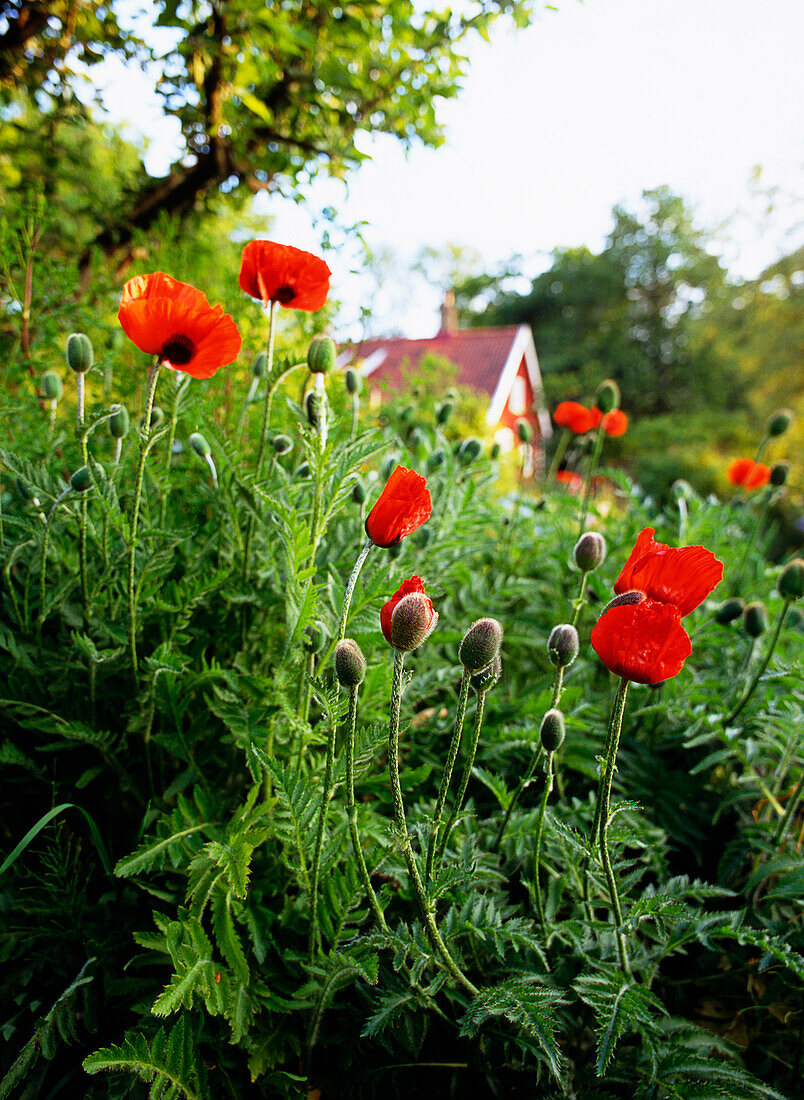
<point x="748" y="474"/>
<point x="614" y="423"/>
<point x="423" y="617"/>
<point x="573" y="482"/>
<point x="576" y="417"/>
<point x="176" y="322"/>
<point x="281" y="273"/>
<point x="402" y="507"/>
<point x="644" y="642"/>
<point x="683" y="577"/>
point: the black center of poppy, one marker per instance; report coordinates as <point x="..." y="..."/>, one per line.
<point x="178" y="349"/>
<point x="284" y="294"/>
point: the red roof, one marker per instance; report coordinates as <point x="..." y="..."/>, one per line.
<point x="479" y="353"/>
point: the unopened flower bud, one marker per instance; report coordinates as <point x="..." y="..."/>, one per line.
<point x="200" y="445"/>
<point x="563" y="645"/>
<point x="444" y="411"/>
<point x="359" y="492"/>
<point x="470" y="449"/>
<point x="259" y="368"/>
<point x="481" y="644"/>
<point x="494" y="451"/>
<point x="314" y="636"/>
<point x="353" y="381"/>
<point x="321" y="354"/>
<point x="779" y="422"/>
<point x="487" y="677"/>
<point x="389" y="466"/>
<point x="590" y="551"/>
<point x="312" y="409"/>
<point x="413" y="621"/>
<point x="729" y="610"/>
<point x="436" y="460"/>
<point x="80" y="356"/>
<point x="625" y="599"/>
<point x="552" y="731"/>
<point x="524" y="430"/>
<point x="350" y="664"/>
<point x="779" y="473"/>
<point x="282" y="444"/>
<point x="119" y="422"/>
<point x="157" y="417"/>
<point x="51" y="384"/>
<point x="81" y="480"/>
<point x="608" y="396"/>
<point x="755" y="619"/>
<point x="791" y="580"/>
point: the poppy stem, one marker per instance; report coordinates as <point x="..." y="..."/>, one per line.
<point x="781" y="829"/>
<point x="146" y="442"/>
<point x="181" y="386"/>
<point x="604" y="804"/>
<point x="82" y="522"/>
<point x="593" y="461"/>
<point x="560" y="451"/>
<point x="351" y="811"/>
<point x="548" y="787"/>
<point x="761" y="670"/>
<point x="467" y="771"/>
<point x="43" y="563"/>
<point x="350" y="588"/>
<point x="266" y="412"/>
<point x="756" y="529"/>
<point x="446" y="777"/>
<point x="326" y="798"/>
<point x="425" y="907"/>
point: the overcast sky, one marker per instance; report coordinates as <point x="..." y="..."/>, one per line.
<point x="593" y="103"/>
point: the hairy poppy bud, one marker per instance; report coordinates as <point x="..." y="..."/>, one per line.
<point x="259" y="368"/>
<point x="314" y="636"/>
<point x="200" y="445"/>
<point x="312" y="409"/>
<point x="51" y="384"/>
<point x="389" y="466"/>
<point x="350" y="664"/>
<point x="608" y="396"/>
<point x="413" y="620"/>
<point x="282" y="444"/>
<point x="755" y="619"/>
<point x="563" y="645"/>
<point x="631" y="597"/>
<point x="157" y="417"/>
<point x="81" y="480"/>
<point x="444" y="411"/>
<point x="359" y="492"/>
<point x="321" y="354"/>
<point x="481" y="644"/>
<point x="494" y="451"/>
<point x="80" y="356"/>
<point x="119" y="422"/>
<point x="551" y="730"/>
<point x="436" y="460"/>
<point x="524" y="430"/>
<point x="779" y="422"/>
<point x="729" y="610"/>
<point x="791" y="580"/>
<point x="353" y="381"/>
<point x="470" y="449"/>
<point x="778" y="473"/>
<point x="487" y="677"/>
<point x="590" y="551"/>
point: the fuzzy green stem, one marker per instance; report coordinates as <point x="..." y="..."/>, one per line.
<point x="446" y="778"/>
<point x="326" y="798"/>
<point x="351" y="810"/>
<point x="43" y="563"/>
<point x="425" y="909"/>
<point x="761" y="670"/>
<point x="599" y="440"/>
<point x="467" y="771"/>
<point x="145" y="446"/>
<point x="604" y="801"/>
<point x="548" y="787"/>
<point x="579" y="602"/>
<point x="181" y="385"/>
<point x="250" y="395"/>
<point x="560" y="451"/>
<point x="82" y="523"/>
<point x="781" y="829"/>
<point x="350" y="588"/>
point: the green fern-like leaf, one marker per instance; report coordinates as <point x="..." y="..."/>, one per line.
<point x="168" y="1062"/>
<point x="619" y="1007"/>
<point x="529" y="1005"/>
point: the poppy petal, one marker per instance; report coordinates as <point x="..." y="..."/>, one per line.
<point x="279" y="272"/>
<point x="683" y="577"/>
<point x="643" y="642"/>
<point x="413" y="584"/>
<point x="403" y="506"/>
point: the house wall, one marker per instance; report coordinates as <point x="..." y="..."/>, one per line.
<point x="519" y="406"/>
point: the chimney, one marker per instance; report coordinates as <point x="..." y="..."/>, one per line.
<point x="449" y="315"/>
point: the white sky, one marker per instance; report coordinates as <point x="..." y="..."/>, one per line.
<point x="557" y="123"/>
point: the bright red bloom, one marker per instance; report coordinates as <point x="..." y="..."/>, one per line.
<point x="644" y="642"/>
<point x="176" y="322"/>
<point x="403" y="505"/>
<point x="281" y="273"/>
<point x="573" y="482"/>
<point x="683" y="577"/>
<point x="614" y="423"/>
<point x="413" y="584"/>
<point x="748" y="474"/>
<point x="576" y="417"/>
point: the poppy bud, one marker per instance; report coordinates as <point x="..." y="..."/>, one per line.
<point x="282" y="444"/>
<point x="778" y="473"/>
<point x="444" y="411"/>
<point x="81" y="480"/>
<point x="358" y="492"/>
<point x="607" y="397"/>
<point x="303" y="471"/>
<point x="157" y="417"/>
<point x="551" y="730"/>
<point x="314" y="636"/>
<point x="353" y="381"/>
<point x="413" y="620"/>
<point x="682" y="490"/>
<point x="259" y="368"/>
<point x="729" y="610"/>
<point x="470" y="450"/>
<point x="436" y="460"/>
<point x="321" y="354"/>
<point x="389" y="466"/>
<point x="494" y="452"/>
<point x="312" y="409"/>
<point x="200" y="445"/>
<point x="79" y="352"/>
<point x="51" y="384"/>
<point x="350" y="664"/>
<point x="791" y="580"/>
<point x="487" y="677"/>
<point x="481" y="644"/>
<point x="590" y="551"/>
<point x="563" y="645"/>
<point x="755" y="619"/>
<point x="524" y="430"/>
<point x="634" y="596"/>
<point x="119" y="422"/>
<point x="779" y="422"/>
<point x="406" y="413"/>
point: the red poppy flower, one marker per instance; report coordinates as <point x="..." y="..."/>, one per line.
<point x="403" y="505"/>
<point x="573" y="482"/>
<point x="176" y="322"/>
<point x="281" y="273"/>
<point x="683" y="578"/>
<point x="576" y="417"/>
<point x="748" y="474"/>
<point x="406" y="588"/>
<point x="644" y="642"/>
<point x="614" y="423"/>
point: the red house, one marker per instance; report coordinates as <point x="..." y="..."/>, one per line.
<point x="500" y="362"/>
